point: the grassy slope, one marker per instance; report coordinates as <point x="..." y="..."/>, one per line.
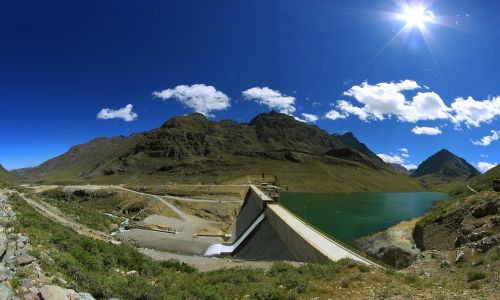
<point x="7" y="177"/>
<point x="90" y="265"/>
<point x="319" y="175"/>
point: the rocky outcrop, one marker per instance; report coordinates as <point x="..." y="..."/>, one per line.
<point x="394" y="246"/>
<point x="470" y="225"/>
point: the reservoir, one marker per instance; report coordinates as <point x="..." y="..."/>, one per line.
<point x="348" y="216"/>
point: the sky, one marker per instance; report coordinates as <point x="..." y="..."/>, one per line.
<point x="408" y="78"/>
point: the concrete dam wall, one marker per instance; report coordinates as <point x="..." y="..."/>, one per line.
<point x="266" y="231"/>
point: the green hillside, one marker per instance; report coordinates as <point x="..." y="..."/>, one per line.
<point x="193" y="149"/>
<point x="6" y="176"/>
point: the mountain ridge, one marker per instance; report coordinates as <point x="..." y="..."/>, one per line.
<point x="195" y="149"/>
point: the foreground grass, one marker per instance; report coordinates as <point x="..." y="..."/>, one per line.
<point x="99" y="268"/>
<point x="96" y="267"/>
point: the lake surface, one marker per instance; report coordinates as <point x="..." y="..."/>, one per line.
<point x="348" y="216"/>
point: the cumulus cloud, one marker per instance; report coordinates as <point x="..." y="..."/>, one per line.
<point x="485" y="166"/>
<point x="271" y="98"/>
<point x="393" y="159"/>
<point x="426" y="130"/>
<point x="386" y="99"/>
<point x="125" y="113"/>
<point x="405" y="150"/>
<point x="486" y="140"/>
<point x="199" y="97"/>
<point x="349" y="109"/>
<point x="310" y="117"/>
<point x="473" y="112"/>
<point x="334" y="115"/>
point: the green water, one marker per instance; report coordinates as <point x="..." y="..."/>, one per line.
<point x="348" y="216"/>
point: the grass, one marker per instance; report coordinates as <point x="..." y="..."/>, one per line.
<point x="438" y="211"/>
<point x="319" y="174"/>
<point x="91" y="265"/>
<point x="474" y="275"/>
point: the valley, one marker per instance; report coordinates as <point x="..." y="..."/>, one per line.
<point x="315" y="214"/>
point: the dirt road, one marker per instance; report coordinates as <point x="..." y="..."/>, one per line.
<point x="51" y="212"/>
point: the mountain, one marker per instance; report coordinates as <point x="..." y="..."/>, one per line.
<point x="445" y="166"/>
<point x="6" y="176"/>
<point x="400" y="169"/>
<point x="193" y="149"/>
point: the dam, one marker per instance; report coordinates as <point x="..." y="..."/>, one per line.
<point x="264" y="230"/>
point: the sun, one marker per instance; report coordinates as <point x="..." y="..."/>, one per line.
<point x="416" y="16"/>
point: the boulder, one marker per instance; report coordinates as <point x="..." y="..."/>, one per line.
<point x="24" y="260"/>
<point x="5" y="274"/>
<point x="485" y="208"/>
<point x="5" y="292"/>
<point x="54" y="292"/>
<point x="86" y="296"/>
<point x="3" y="245"/>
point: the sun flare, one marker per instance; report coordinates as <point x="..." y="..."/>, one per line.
<point x="416" y="16"/>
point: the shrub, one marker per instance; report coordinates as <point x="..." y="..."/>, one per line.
<point x="267" y="292"/>
<point x="474" y="275"/>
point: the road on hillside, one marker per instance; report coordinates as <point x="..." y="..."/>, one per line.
<point x="182" y="215"/>
<point x="48" y="211"/>
<point x="185" y="199"/>
<point x="469" y="187"/>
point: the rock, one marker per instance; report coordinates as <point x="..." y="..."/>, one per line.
<point x="5" y="274"/>
<point x="485" y="209"/>
<point x="25" y="282"/>
<point x="460" y="257"/>
<point x="131" y="272"/>
<point x="24" y="260"/>
<point x="22" y="252"/>
<point x="12" y="236"/>
<point x="54" y="292"/>
<point x="23" y="239"/>
<point x="3" y="245"/>
<point x="5" y="292"/>
<point x="86" y="296"/>
<point x="445" y="263"/>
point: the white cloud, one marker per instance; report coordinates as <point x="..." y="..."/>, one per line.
<point x="393" y="159"/>
<point x="334" y="115"/>
<point x="271" y="98"/>
<point x="404" y="152"/>
<point x="485" y="166"/>
<point x="410" y="166"/>
<point x="310" y="117"/>
<point x="426" y="130"/>
<point x="199" y="97"/>
<point x="385" y="99"/>
<point x="348" y="109"/>
<point x="473" y="112"/>
<point x="125" y="113"/>
<point x="425" y="106"/>
<point x="486" y="140"/>
<point x="484" y="155"/>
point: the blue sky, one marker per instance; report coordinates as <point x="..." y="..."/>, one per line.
<point x="63" y="62"/>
